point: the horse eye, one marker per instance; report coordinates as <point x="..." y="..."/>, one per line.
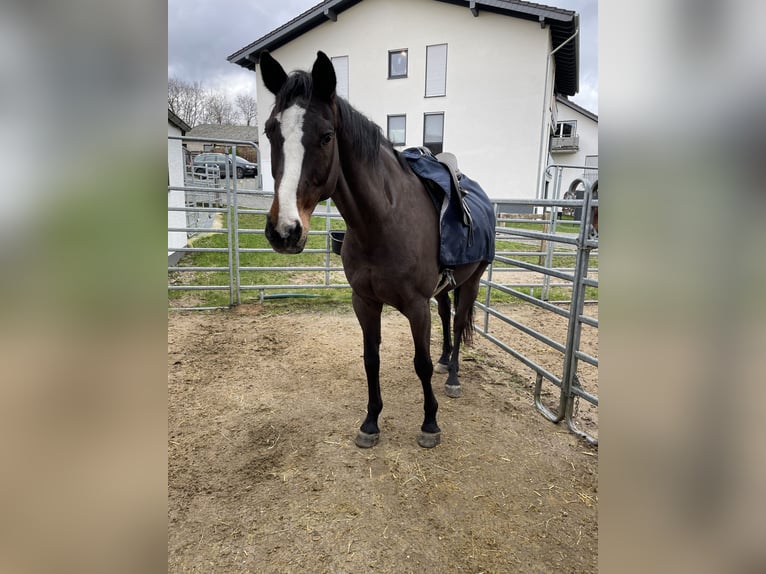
<point x="327" y="138"/>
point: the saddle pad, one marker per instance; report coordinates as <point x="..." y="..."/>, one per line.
<point x="459" y="243"/>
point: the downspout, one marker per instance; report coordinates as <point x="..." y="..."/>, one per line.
<point x="542" y="163"/>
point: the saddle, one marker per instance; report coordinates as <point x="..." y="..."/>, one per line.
<point x="466" y="215"/>
<point x="449" y="161"/>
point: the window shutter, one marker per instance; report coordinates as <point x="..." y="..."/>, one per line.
<point x="340" y="64"/>
<point x="436" y="70"/>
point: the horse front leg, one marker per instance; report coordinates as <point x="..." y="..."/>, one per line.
<point x="368" y="315"/>
<point x="420" y="324"/>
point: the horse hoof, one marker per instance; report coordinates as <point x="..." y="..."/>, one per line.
<point x="429" y="439"/>
<point x="453" y="391"/>
<point x="441" y="368"/>
<point x="366" y="440"/>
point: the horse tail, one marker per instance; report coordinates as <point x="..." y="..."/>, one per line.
<point x="466" y="336"/>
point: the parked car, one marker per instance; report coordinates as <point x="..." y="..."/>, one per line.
<point x="204" y="161"/>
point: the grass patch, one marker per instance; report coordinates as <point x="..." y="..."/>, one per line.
<point x="319" y="297"/>
<point x="565" y="224"/>
<point x="266" y="258"/>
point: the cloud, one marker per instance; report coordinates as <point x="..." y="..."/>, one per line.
<point x="201" y="34"/>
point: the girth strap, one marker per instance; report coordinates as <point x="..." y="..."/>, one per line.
<point x="445" y="280"/>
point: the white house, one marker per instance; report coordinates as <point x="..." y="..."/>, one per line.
<point x="176" y="198"/>
<point x="574" y="142"/>
<point x="474" y="78"/>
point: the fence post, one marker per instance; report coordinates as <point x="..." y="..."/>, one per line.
<point x="574" y="327"/>
<point x="549" y="247"/>
<point x="328" y="242"/>
<point x="232" y="236"/>
<point x="238" y="279"/>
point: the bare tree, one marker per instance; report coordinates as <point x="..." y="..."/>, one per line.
<point x="219" y="109"/>
<point x="186" y="100"/>
<point x="248" y="108"/>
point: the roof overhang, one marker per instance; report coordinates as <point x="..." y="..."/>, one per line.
<point x="248" y="56"/>
<point x="563" y="24"/>
<point x="575" y="107"/>
<point x="178" y="122"/>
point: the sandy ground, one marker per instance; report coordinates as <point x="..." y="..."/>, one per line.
<point x="264" y="476"/>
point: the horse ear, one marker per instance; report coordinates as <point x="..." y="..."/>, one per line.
<point x="274" y="75"/>
<point x="323" y="76"/>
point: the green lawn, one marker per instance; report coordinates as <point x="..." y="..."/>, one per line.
<point x="269" y="258"/>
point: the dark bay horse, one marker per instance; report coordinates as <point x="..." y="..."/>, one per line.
<point x="323" y="148"/>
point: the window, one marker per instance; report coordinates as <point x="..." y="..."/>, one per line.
<point x="340" y="63"/>
<point x="436" y="70"/>
<point x="565" y="129"/>
<point x="433" y="132"/>
<point x="397" y="64"/>
<point x="397" y="129"/>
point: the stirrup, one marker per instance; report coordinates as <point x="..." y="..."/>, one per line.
<point x="446" y="280"/>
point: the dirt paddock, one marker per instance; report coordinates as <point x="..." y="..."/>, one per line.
<point x="264" y="476"/>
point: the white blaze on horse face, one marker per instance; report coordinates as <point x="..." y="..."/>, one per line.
<point x="291" y="125"/>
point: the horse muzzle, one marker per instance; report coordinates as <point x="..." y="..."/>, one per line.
<point x="288" y="240"/>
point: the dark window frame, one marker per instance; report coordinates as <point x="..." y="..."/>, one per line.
<point x="406" y="63"/>
<point x="388" y="128"/>
<point x="435" y="147"/>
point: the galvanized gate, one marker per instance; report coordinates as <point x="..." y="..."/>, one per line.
<point x="229" y="200"/>
<point x="583" y="245"/>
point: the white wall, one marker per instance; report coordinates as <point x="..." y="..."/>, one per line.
<point x="495" y="82"/>
<point x="175" y="198"/>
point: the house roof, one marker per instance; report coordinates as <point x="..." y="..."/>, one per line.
<point x="575" y="107"/>
<point x="178" y="122"/>
<point x="563" y="24"/>
<point x="246" y="133"/>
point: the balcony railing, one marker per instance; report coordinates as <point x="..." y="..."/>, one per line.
<point x="566" y="143"/>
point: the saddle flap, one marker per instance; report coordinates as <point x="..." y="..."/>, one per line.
<point x="449" y="161"/>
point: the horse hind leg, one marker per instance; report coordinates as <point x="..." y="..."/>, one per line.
<point x="445" y="314"/>
<point x="368" y="315"/>
<point x="465" y="295"/>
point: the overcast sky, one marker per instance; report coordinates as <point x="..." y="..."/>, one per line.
<point x="202" y="33"/>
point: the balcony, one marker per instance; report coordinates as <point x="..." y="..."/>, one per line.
<point x="565" y="143"/>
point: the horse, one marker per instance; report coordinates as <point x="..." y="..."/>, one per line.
<point x="573" y="193"/>
<point x="593" y="230"/>
<point x="321" y="147"/>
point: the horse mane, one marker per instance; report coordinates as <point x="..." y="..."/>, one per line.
<point x="297" y="85"/>
<point x="366" y="134"/>
<point x="358" y="128"/>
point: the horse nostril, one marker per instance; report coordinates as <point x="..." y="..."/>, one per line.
<point x="289" y="231"/>
<point x="295" y="232"/>
<point x="285" y="238"/>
